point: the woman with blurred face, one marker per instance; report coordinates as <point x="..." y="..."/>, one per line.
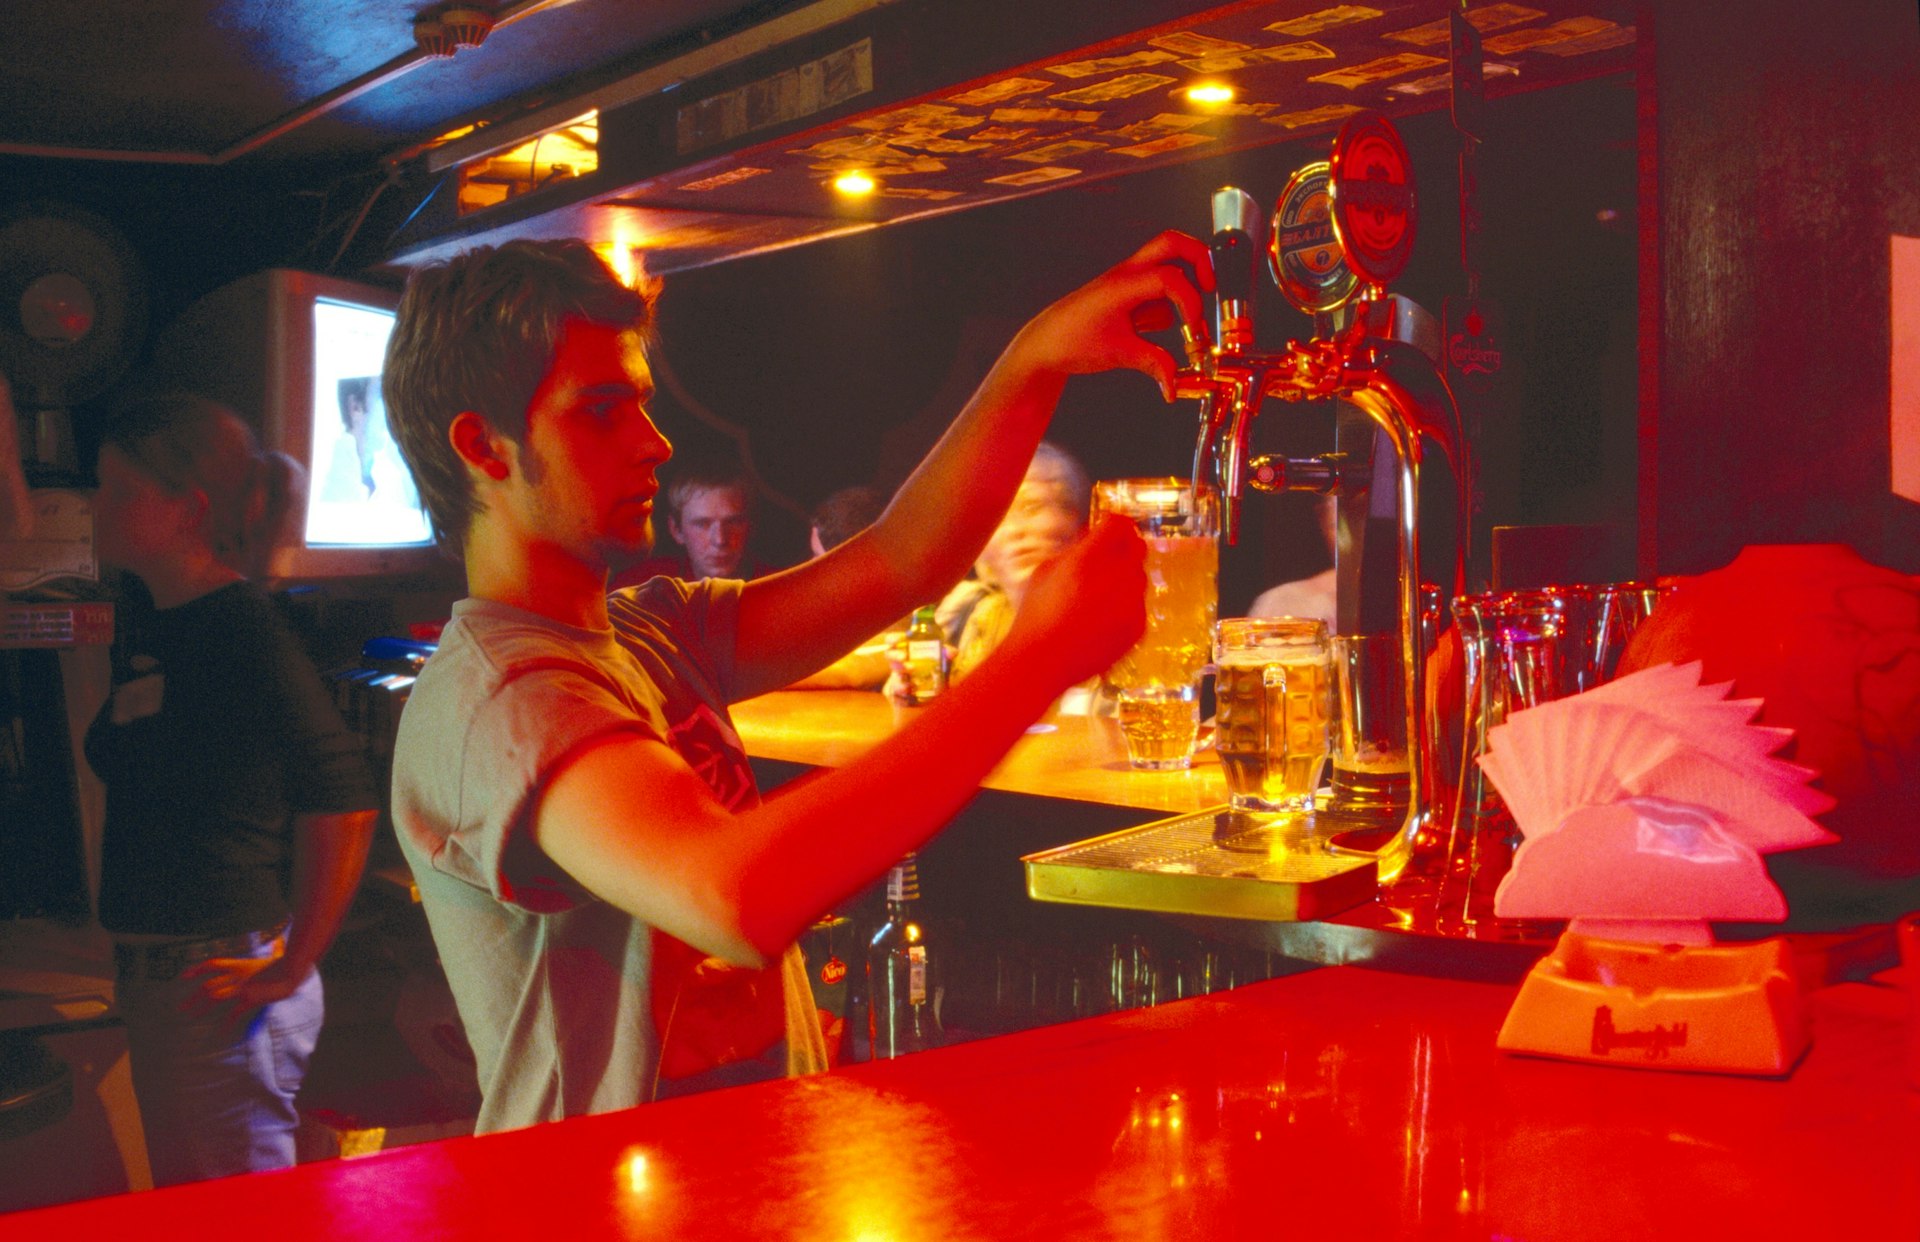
<point x="1048" y="511"/>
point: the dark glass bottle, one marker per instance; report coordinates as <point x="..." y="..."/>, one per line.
<point x="903" y="985"/>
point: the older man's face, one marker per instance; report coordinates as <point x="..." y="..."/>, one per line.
<point x="713" y="527"/>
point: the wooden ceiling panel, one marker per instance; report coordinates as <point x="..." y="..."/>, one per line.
<point x="937" y="134"/>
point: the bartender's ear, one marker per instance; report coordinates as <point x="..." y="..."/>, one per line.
<point x="474" y="440"/>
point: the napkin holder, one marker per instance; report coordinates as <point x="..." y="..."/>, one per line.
<point x="1647" y="805"/>
<point x="1713" y="1008"/>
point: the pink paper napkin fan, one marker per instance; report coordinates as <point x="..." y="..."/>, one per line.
<point x="1646" y="805"/>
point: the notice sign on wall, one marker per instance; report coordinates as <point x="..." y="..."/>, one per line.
<point x="58" y="542"/>
<point x="1905" y="414"/>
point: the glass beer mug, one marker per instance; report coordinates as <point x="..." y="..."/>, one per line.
<point x="1156" y="686"/>
<point x="1272" y="693"/>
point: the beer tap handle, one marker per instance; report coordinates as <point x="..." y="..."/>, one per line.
<point x="1236" y="257"/>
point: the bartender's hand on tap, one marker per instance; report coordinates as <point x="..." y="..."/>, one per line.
<point x="1086" y="607"/>
<point x="1097" y="327"/>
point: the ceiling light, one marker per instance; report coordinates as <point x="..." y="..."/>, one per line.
<point x="855" y="184"/>
<point x="1210" y="93"/>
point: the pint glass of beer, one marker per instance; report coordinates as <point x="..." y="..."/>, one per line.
<point x="1156" y="686"/>
<point x="1272" y="691"/>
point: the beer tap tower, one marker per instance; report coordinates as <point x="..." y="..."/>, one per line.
<point x="1344" y="229"/>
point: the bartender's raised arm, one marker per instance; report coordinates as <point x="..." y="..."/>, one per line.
<point x="630" y="820"/>
<point x="797" y="621"/>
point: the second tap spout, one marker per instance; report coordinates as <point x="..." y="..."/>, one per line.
<point x="1244" y="397"/>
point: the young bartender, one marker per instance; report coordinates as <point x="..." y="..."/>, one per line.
<point x="614" y="904"/>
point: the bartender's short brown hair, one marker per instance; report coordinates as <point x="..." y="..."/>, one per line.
<point x="478" y="332"/>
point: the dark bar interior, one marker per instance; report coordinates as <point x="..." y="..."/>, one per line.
<point x="1657" y="285"/>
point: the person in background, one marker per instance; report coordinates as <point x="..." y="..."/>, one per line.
<point x="843" y="515"/>
<point x="239" y="807"/>
<point x="615" y="906"/>
<point x="1048" y="512"/>
<point x="835" y="520"/>
<point x="710" y="515"/>
<point x="1309" y="598"/>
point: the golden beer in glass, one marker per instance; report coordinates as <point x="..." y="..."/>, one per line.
<point x="1156" y="685"/>
<point x="1273" y="681"/>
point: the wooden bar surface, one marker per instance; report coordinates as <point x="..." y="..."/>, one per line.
<point x="1074" y="757"/>
<point x="1342" y="1103"/>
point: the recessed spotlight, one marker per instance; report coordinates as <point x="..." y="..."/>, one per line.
<point x="1210" y="93"/>
<point x="854" y="184"/>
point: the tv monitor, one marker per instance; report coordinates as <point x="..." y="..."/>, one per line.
<point x="299" y="354"/>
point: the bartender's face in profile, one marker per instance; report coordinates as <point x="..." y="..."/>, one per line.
<point x="713" y="526"/>
<point x="587" y="465"/>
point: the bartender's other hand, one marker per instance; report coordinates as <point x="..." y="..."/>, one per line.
<point x="1086" y="607"/>
<point x="237" y="987"/>
<point x="1097" y="326"/>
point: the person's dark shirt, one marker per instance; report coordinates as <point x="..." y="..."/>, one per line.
<point x="219" y="730"/>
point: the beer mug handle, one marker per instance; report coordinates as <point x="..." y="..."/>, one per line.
<point x="1207" y="719"/>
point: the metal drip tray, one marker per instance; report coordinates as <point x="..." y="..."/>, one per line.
<point x="1217" y="862"/>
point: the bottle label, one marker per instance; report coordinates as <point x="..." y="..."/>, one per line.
<point x="917" y="974"/>
<point x="924" y="649"/>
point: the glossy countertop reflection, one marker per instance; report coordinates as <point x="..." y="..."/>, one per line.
<point x="1341" y="1103"/>
<point x="1076" y="757"/>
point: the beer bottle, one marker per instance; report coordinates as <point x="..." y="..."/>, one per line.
<point x="903" y="988"/>
<point x="926" y="673"/>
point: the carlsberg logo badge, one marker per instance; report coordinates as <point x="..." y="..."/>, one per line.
<point x="1470" y="357"/>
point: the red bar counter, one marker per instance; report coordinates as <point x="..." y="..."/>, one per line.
<point x="1342" y="1103"/>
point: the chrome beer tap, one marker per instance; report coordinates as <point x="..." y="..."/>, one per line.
<point x="1371" y="361"/>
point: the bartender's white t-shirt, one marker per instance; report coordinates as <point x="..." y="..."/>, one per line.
<point x="556" y="987"/>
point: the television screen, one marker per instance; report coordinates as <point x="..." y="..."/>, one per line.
<point x="359" y="494"/>
<point x="299" y="354"/>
